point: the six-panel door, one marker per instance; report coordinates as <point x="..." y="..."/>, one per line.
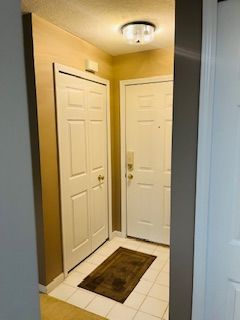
<point x="149" y="143"/>
<point x="82" y="142"/>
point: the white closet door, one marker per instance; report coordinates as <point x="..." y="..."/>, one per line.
<point x="81" y="121"/>
<point x="148" y="143"/>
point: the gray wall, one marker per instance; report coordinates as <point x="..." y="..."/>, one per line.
<point x="18" y="267"/>
<point x="186" y="103"/>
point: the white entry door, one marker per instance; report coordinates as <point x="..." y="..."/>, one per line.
<point x="148" y="169"/>
<point x="223" y="259"/>
<point x="82" y="141"/>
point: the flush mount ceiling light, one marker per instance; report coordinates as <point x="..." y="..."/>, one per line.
<point x="138" y="32"/>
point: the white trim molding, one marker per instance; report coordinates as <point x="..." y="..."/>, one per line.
<point x="123" y="85"/>
<point x="116" y="234"/>
<point x="52" y="285"/>
<point x="209" y="35"/>
<point x="58" y="68"/>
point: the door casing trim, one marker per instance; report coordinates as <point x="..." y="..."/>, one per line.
<point x="123" y="85"/>
<point x="87" y="76"/>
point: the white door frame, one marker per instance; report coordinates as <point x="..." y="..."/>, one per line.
<point x="209" y="36"/>
<point x="123" y="85"/>
<point x="87" y="76"/>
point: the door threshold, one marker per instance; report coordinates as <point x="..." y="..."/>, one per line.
<point x="148" y="241"/>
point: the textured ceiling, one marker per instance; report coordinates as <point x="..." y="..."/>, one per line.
<point x="99" y="21"/>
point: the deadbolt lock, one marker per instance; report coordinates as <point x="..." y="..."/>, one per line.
<point x="100" y="178"/>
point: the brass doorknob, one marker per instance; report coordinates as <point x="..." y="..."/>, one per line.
<point x="100" y="177"/>
<point x="130" y="176"/>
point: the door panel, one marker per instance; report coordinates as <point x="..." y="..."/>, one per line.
<point x="223" y="264"/>
<point x="82" y="139"/>
<point x="80" y="219"/>
<point x="77" y="137"/>
<point x="99" y="227"/>
<point x="148" y="131"/>
<point x="76" y="97"/>
<point x="96" y="128"/>
<point x="146" y="145"/>
<point x="98" y="163"/>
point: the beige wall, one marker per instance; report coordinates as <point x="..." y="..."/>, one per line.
<point x="51" y="44"/>
<point x="143" y="64"/>
<point x="131" y="66"/>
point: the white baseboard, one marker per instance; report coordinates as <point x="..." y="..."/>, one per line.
<point x="52" y="285"/>
<point x="116" y="234"/>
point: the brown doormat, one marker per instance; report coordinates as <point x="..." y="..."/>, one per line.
<point x="119" y="274"/>
<point x="54" y="309"/>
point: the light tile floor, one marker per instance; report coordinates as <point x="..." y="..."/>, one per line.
<point x="148" y="301"/>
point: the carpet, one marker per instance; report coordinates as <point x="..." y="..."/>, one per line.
<point x="118" y="275"/>
<point x="54" y="309"/>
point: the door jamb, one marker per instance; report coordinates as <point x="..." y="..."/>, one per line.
<point x="209" y="36"/>
<point x="123" y="85"/>
<point x="91" y="77"/>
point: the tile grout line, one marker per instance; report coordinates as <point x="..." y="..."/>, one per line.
<point x="111" y="308"/>
<point x="165" y="312"/>
<point x="94" y="297"/>
<point x="71" y="295"/>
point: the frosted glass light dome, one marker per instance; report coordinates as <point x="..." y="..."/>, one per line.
<point x="138" y="32"/>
